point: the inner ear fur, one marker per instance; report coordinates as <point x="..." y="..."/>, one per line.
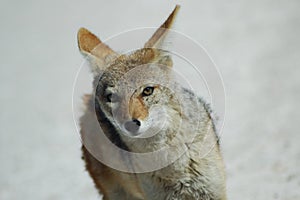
<point x="90" y="44"/>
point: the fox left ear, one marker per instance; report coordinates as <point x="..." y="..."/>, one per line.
<point x="98" y="53"/>
<point x="158" y="38"/>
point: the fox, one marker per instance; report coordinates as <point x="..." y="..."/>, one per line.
<point x="152" y="102"/>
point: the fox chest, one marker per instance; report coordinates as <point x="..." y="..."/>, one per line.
<point x="187" y="188"/>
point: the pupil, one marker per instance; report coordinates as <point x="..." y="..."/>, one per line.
<point x="148" y="91"/>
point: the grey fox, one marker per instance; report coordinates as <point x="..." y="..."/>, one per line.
<point x="191" y="176"/>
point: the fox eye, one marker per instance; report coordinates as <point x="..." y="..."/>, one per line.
<point x="109" y="98"/>
<point x="112" y="98"/>
<point x="148" y="91"/>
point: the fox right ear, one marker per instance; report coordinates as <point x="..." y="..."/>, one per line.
<point x="98" y="53"/>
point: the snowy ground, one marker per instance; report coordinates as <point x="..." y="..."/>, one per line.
<point x="255" y="44"/>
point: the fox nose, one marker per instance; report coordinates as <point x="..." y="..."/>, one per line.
<point x="132" y="126"/>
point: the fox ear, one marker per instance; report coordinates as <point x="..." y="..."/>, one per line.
<point x="158" y="38"/>
<point x="98" y="53"/>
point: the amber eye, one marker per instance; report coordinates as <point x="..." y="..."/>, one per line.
<point x="148" y="91"/>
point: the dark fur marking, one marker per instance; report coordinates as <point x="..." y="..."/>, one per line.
<point x="110" y="130"/>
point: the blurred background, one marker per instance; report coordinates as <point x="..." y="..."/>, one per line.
<point x="255" y="44"/>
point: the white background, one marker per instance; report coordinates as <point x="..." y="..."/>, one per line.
<point x="255" y="44"/>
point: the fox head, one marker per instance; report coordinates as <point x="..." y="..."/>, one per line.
<point x="132" y="90"/>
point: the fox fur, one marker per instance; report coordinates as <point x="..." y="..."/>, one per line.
<point x="190" y="176"/>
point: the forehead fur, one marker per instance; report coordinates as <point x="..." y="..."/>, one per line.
<point x="124" y="63"/>
<point x="127" y="62"/>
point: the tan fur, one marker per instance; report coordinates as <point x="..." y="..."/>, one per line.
<point x="192" y="176"/>
<point x="137" y="108"/>
<point x="88" y="42"/>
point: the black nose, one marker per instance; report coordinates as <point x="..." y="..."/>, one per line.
<point x="132" y="126"/>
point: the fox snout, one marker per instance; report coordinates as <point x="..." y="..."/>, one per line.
<point x="132" y="126"/>
<point x="137" y="113"/>
<point x="137" y="108"/>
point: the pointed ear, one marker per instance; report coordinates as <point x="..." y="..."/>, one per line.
<point x="157" y="39"/>
<point x="98" y="53"/>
